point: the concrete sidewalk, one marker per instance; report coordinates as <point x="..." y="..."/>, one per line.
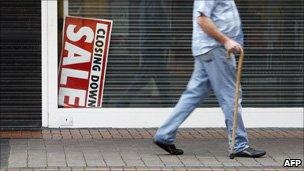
<point x="132" y="149"/>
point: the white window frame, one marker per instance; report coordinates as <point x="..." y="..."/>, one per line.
<point x="54" y="117"/>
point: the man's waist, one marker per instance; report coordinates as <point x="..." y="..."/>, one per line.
<point x="210" y="41"/>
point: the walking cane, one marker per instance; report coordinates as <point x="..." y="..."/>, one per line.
<point x="236" y="102"/>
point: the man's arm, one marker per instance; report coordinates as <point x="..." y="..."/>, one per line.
<point x="211" y="29"/>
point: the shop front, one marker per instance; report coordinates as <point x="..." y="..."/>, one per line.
<point x="147" y="62"/>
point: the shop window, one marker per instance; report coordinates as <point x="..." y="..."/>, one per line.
<point x="150" y="62"/>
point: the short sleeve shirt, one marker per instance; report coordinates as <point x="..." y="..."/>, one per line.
<point x="224" y="14"/>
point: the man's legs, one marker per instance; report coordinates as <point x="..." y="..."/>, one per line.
<point x="222" y="76"/>
<point x="198" y="88"/>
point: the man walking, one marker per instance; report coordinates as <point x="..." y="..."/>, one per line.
<point x="216" y="30"/>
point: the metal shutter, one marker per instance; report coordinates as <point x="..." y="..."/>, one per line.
<point x="153" y="71"/>
<point x="20" y="62"/>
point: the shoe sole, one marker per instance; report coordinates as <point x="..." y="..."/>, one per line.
<point x="231" y="156"/>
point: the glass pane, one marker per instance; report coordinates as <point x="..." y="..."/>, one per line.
<point x="150" y="61"/>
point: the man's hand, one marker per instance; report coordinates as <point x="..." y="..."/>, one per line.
<point x="232" y="47"/>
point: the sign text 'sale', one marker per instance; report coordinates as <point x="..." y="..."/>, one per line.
<point x="83" y="62"/>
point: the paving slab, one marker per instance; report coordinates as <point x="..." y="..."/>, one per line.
<point x="4" y="152"/>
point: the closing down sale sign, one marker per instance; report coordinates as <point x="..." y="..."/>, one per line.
<point x="83" y="62"/>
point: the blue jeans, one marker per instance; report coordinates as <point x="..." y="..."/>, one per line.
<point x="211" y="71"/>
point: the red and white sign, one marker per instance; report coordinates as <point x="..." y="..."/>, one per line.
<point x="83" y="62"/>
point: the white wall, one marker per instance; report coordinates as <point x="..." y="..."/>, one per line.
<point x="148" y="117"/>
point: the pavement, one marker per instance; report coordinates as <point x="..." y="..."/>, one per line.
<point x="132" y="149"/>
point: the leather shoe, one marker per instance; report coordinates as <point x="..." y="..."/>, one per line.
<point x="249" y="152"/>
<point x="170" y="148"/>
